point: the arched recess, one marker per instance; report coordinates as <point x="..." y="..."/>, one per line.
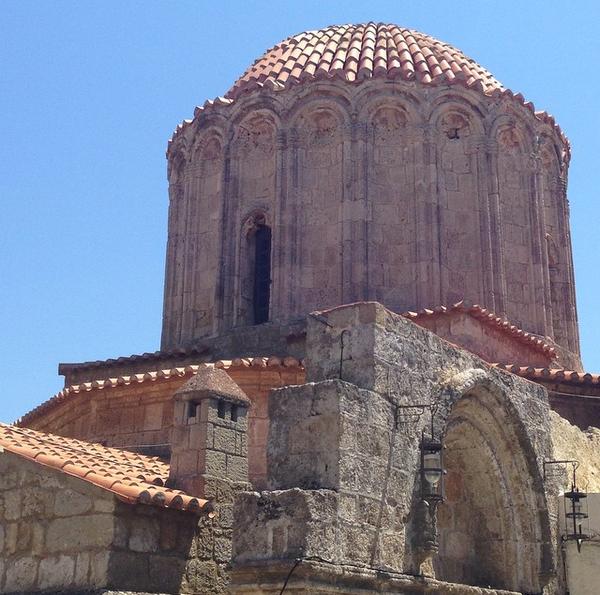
<point x="203" y="233"/>
<point x="558" y="246"/>
<point x="173" y="307"/>
<point x="494" y="527"/>
<point x="317" y="176"/>
<point x="524" y="289"/>
<point x="459" y="208"/>
<point x="252" y="186"/>
<point x="254" y="270"/>
<point x="392" y="154"/>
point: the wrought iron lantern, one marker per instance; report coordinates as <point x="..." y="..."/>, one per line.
<point x="575" y="504"/>
<point x="432" y="469"/>
<point x="575" y="513"/>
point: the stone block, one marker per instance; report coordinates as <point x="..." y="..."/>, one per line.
<point x="82" y="569"/>
<point x="214" y="463"/>
<point x="10" y="538"/>
<point x="237" y="468"/>
<point x="129" y="571"/>
<point x="241" y="444"/>
<point x="56" y="571"/>
<point x="12" y="504"/>
<point x="200" y="435"/>
<point x="144" y="535"/>
<point x="222" y="548"/>
<point x="21" y="575"/>
<point x="72" y="503"/>
<point x="36" y="502"/>
<point x="24" y="536"/>
<point x="224" y="439"/>
<point x="167" y="573"/>
<point x="104" y="504"/>
<point x="99" y="569"/>
<point x="38" y="539"/>
<point x="298" y="522"/>
<point x="78" y="533"/>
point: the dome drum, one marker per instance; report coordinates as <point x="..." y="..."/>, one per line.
<point x="404" y="190"/>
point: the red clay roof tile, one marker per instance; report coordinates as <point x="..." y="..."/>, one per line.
<point x="490" y="318"/>
<point x="552" y="374"/>
<point x="188" y="370"/>
<point x="367" y="50"/>
<point x="132" y="477"/>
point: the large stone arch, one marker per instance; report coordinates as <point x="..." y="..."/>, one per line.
<point x="494" y="526"/>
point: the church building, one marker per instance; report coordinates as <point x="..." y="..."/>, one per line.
<point x="369" y="378"/>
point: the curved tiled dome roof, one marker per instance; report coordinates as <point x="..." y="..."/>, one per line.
<point x="358" y="52"/>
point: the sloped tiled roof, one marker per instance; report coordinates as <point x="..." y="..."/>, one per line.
<point x="489" y="318"/>
<point x="153" y="376"/>
<point x="357" y="52"/>
<point x="148" y="357"/>
<point x="557" y="375"/>
<point x="134" y="478"/>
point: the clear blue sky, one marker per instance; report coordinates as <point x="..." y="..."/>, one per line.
<point x="90" y="92"/>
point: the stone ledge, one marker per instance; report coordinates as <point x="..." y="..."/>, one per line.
<point x="318" y="577"/>
<point x="76" y="591"/>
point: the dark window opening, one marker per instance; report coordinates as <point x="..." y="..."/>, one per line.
<point x="234" y="413"/>
<point x="262" y="274"/>
<point x="192" y="409"/>
<point x="221" y="409"/>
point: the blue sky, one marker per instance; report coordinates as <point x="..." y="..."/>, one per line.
<point x="90" y="92"/>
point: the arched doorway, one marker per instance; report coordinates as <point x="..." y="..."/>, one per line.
<point x="493" y="527"/>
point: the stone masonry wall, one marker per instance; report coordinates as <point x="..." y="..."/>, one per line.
<point x="61" y="534"/>
<point x="167" y="551"/>
<point x="343" y="459"/>
<point x="55" y="531"/>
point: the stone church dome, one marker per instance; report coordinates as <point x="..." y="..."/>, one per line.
<point x="358" y="52"/>
<point x="358" y="163"/>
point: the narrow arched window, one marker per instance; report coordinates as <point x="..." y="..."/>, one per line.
<point x="262" y="273"/>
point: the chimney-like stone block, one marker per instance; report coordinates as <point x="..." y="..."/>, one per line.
<point x="209" y="435"/>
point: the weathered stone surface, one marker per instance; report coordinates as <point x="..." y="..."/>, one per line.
<point x="82" y="532"/>
<point x="21" y="575"/>
<point x="572" y="443"/>
<point x="56" y="571"/>
<point x="317" y="576"/>
<point x="359" y="437"/>
<point x="144" y="535"/>
<point x="72" y="503"/>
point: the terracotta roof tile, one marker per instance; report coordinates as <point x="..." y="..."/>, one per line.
<point x="366" y="51"/>
<point x="132" y="477"/>
<point x="374" y="50"/>
<point x="490" y="318"/>
<point x="153" y="376"/>
<point x="552" y="374"/>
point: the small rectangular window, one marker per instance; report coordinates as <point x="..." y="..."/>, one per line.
<point x="221" y="409"/>
<point x="262" y="274"/>
<point x="192" y="409"/>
